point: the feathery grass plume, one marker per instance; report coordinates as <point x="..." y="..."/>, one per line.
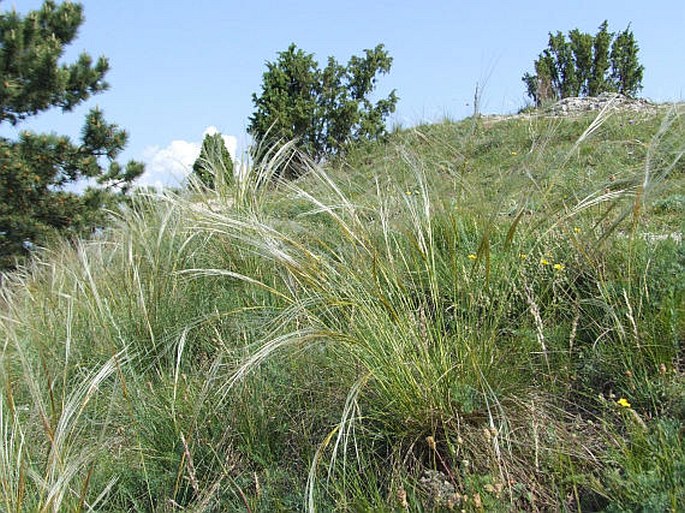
<point x="261" y="169"/>
<point x="12" y="454"/>
<point x="411" y="364"/>
<point x="440" y="309"/>
<point x="48" y="481"/>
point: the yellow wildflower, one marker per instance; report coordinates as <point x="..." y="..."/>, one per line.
<point x="623" y="402"/>
<point x="576" y="229"/>
<point x="559" y="267"/>
<point x="514" y="153"/>
<point x="472" y="256"/>
<point x="544" y="261"/>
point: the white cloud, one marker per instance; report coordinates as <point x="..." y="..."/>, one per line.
<point x="170" y="166"/>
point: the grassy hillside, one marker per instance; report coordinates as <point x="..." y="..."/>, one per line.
<point x="485" y="315"/>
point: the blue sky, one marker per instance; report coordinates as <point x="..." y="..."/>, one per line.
<point x="181" y="67"/>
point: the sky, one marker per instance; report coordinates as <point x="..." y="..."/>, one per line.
<point x="180" y="69"/>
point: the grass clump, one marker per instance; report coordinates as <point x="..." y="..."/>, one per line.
<point x="483" y="315"/>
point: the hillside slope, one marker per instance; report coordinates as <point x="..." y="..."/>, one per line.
<point x="485" y="315"/>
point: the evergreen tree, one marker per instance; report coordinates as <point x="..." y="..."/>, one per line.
<point x="288" y="107"/>
<point x="324" y="110"/>
<point x="581" y="47"/>
<point x="539" y="86"/>
<point x="560" y="58"/>
<point x="214" y="164"/>
<point x="585" y="65"/>
<point x="36" y="169"/>
<point x="598" y="81"/>
<point x="626" y="70"/>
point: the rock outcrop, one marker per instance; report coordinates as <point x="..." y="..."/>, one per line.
<point x="613" y="101"/>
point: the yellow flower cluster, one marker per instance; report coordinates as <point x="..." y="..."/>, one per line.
<point x="623" y="402"/>
<point x="547" y="260"/>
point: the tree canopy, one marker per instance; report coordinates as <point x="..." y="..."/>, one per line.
<point x="586" y="65"/>
<point x="37" y="171"/>
<point x="324" y="110"/>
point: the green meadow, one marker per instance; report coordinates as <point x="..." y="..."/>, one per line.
<point x="475" y="315"/>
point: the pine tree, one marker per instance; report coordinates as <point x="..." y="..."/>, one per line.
<point x="36" y="169"/>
